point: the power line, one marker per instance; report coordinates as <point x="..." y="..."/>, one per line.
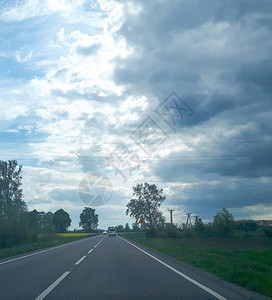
<point x="114" y="143"/>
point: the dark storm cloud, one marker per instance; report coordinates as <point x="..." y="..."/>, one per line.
<point x="238" y="159"/>
<point x="161" y="59"/>
<point x="229" y="192"/>
<point x="217" y="57"/>
<point x="257" y="74"/>
<point x="159" y="22"/>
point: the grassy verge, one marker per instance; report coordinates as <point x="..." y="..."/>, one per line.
<point x="44" y="242"/>
<point x="75" y="234"/>
<point x="242" y="261"/>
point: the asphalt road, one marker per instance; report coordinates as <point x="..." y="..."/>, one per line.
<point x="103" y="267"/>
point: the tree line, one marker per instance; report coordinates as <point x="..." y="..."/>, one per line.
<point x="18" y="225"/>
<point x="145" y="204"/>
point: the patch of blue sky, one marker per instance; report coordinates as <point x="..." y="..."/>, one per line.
<point x="22" y="34"/>
<point x="25" y="44"/>
<point x="18" y="145"/>
<point x="21" y="136"/>
<point x="10" y="68"/>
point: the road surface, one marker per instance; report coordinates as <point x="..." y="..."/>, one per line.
<point x="103" y="267"/>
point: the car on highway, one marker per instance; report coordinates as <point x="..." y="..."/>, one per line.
<point x="105" y="232"/>
<point x="112" y="231"/>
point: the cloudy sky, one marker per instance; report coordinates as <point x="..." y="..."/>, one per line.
<point x="97" y="96"/>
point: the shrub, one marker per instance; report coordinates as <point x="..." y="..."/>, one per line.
<point x="268" y="231"/>
<point x="171" y="230"/>
<point x="223" y="223"/>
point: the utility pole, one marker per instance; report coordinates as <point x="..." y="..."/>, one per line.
<point x="171" y="215"/>
<point x="188" y="221"/>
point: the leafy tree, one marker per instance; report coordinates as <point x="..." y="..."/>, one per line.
<point x="61" y="220"/>
<point x="12" y="206"/>
<point x="127" y="228"/>
<point x="34" y="219"/>
<point x="171" y="230"/>
<point x="199" y="225"/>
<point x="47" y="223"/>
<point x="34" y="224"/>
<point x="88" y="219"/>
<point x="223" y="222"/>
<point x="246" y="225"/>
<point x="146" y="202"/>
<point x="120" y="228"/>
<point x="268" y="232"/>
<point x="135" y="227"/>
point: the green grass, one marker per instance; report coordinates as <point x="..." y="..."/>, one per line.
<point x="242" y="261"/>
<point x="42" y="243"/>
<point x="75" y="234"/>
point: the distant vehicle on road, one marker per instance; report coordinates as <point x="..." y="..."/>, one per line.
<point x="105" y="232"/>
<point x="111" y="231"/>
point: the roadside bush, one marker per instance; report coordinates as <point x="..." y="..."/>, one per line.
<point x="246" y="225"/>
<point x="223" y="223"/>
<point x="188" y="232"/>
<point x="158" y="232"/>
<point x="166" y="231"/>
<point x="171" y="230"/>
<point x="268" y="231"/>
<point x="209" y="230"/>
<point x="199" y="225"/>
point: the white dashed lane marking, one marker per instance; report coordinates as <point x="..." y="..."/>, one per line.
<point x="55" y="283"/>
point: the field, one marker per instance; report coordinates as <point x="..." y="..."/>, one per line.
<point x="75" y="234"/>
<point x="244" y="261"/>
<point x="44" y="242"/>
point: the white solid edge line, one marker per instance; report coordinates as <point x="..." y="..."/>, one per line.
<point x="52" y="286"/>
<point x="36" y="253"/>
<point x="79" y="261"/>
<point x="216" y="295"/>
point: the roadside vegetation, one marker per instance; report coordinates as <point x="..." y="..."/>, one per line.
<point x="77" y="234"/>
<point x="22" y="230"/>
<point x="239" y="251"/>
<point x="245" y="261"/>
<point x="43" y="242"/>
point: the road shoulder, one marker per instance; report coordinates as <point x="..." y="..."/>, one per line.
<point x="225" y="288"/>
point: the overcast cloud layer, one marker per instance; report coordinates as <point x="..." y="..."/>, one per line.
<point x="84" y="97"/>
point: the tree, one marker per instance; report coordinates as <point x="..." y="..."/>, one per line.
<point x="12" y="206"/>
<point x="135" y="227"/>
<point x="171" y="230"/>
<point x="250" y="225"/>
<point x="223" y="222"/>
<point x="127" y="228"/>
<point x="120" y="228"/>
<point x="47" y="223"/>
<point x="61" y="220"/>
<point x="199" y="225"/>
<point x="88" y="219"/>
<point x="146" y="202"/>
<point x="34" y="223"/>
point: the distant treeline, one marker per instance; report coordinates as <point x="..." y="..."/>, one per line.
<point x="224" y="225"/>
<point x="17" y="224"/>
